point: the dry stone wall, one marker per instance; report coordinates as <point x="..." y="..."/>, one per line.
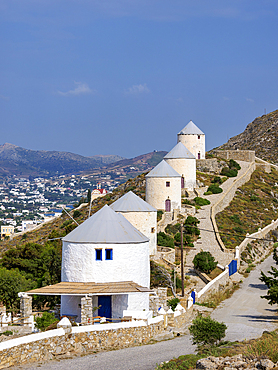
<point x="237" y="155"/>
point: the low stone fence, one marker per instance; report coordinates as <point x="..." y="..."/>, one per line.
<point x="82" y="339"/>
<point x="261" y="233"/>
<point x="226" y="198"/>
<point x="214" y="285"/>
<point x="263" y="162"/>
<point x="237" y="155"/>
<point x="166" y="253"/>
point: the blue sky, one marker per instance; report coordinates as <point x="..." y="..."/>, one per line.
<point x="125" y="76"/>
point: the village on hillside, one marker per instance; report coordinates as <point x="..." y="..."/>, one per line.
<point x="111" y="260"/>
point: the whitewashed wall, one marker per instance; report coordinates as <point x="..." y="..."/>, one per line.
<point x="157" y="192"/>
<point x="186" y="167"/>
<point x="193" y="144"/>
<point x="144" y="222"/>
<point x="130" y="263"/>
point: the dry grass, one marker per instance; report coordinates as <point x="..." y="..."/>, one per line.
<point x="254" y="206"/>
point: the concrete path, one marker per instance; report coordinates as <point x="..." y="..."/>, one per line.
<point x="208" y="241"/>
<point x="245" y="313"/>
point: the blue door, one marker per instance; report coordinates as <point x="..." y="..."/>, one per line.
<point x="232" y="267"/>
<point x="106" y="308"/>
<point x="193" y="295"/>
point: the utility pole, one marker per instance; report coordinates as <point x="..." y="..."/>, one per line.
<point x="182" y="272"/>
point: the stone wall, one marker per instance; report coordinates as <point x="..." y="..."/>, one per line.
<point x="83" y="339"/>
<point x="237" y="155"/>
<point x="211" y="165"/>
<point x="166" y="253"/>
<point x="227" y="197"/>
<point x="215" y="285"/>
<point x="158" y="300"/>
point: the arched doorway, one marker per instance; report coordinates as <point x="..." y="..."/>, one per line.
<point x="199" y="155"/>
<point x="182" y="182"/>
<point x="167" y="205"/>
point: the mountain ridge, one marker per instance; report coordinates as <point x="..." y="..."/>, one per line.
<point x="260" y="135"/>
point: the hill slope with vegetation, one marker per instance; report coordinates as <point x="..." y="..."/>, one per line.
<point x="254" y="206"/>
<point x="260" y="135"/>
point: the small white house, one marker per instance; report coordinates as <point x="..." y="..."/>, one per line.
<point x="107" y="249"/>
<point x="163" y="187"/>
<point x="184" y="162"/>
<point x="194" y="140"/>
<point x="140" y="214"/>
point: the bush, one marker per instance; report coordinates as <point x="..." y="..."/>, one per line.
<point x="215" y="189"/>
<point x="164" y="240"/>
<point x="217" y="179"/>
<point x="229" y="172"/>
<point x="201" y="201"/>
<point x="190" y="226"/>
<point x="234" y="164"/>
<point x="206" y="331"/>
<point x="173" y="303"/>
<point x="204" y="262"/>
<point x="159" y="215"/>
<point x="46" y="320"/>
<point x="76" y="214"/>
<point x="236" y="219"/>
<point x="172" y="229"/>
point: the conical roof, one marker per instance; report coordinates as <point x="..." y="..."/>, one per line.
<point x="180" y="151"/>
<point x="191" y="129"/>
<point x="106" y="226"/>
<point x="130" y="202"/>
<point x="163" y="169"/>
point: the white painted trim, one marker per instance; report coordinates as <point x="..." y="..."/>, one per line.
<point x="202" y="291"/>
<point x="112" y="326"/>
<point x="31" y="338"/>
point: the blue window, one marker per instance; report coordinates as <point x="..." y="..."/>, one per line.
<point x="98" y="254"/>
<point x="108" y="254"/>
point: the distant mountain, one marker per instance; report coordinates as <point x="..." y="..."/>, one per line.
<point x="18" y="161"/>
<point x="15" y="160"/>
<point x="260" y="135"/>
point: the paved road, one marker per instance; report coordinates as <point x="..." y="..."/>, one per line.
<point x="245" y="313"/>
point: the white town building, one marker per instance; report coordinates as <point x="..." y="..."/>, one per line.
<point x="184" y="162"/>
<point x="107" y="249"/>
<point x="163" y="187"/>
<point x="140" y="214"/>
<point x="194" y="140"/>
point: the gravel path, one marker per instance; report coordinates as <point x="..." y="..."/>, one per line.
<point x="246" y="314"/>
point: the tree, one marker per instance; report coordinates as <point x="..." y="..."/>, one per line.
<point x="206" y="331"/>
<point x="89" y="196"/>
<point x="204" y="262"/>
<point x="11" y="283"/>
<point x="271" y="281"/>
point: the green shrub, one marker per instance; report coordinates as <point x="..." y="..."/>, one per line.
<point x="239" y="230"/>
<point x="190" y="226"/>
<point x="217" y="179"/>
<point x="234" y="164"/>
<point x="208" y="193"/>
<point x="159" y="215"/>
<point x="7" y="332"/>
<point x="76" y="213"/>
<point x="65" y="223"/>
<point x="206" y="331"/>
<point x="215" y="189"/>
<point x="204" y="262"/>
<point x="229" y="172"/>
<point x="172" y="229"/>
<point x="201" y="201"/>
<point x="253" y="198"/>
<point x="46" y="320"/>
<point x="164" y="240"/>
<point x="173" y="303"/>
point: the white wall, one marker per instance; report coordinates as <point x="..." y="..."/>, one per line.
<point x="130" y="263"/>
<point x="193" y="144"/>
<point x="186" y="168"/>
<point x="157" y="192"/>
<point x="144" y="222"/>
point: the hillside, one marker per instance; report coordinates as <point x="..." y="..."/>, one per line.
<point x="18" y="161"/>
<point x="260" y="135"/>
<point x="61" y="226"/>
